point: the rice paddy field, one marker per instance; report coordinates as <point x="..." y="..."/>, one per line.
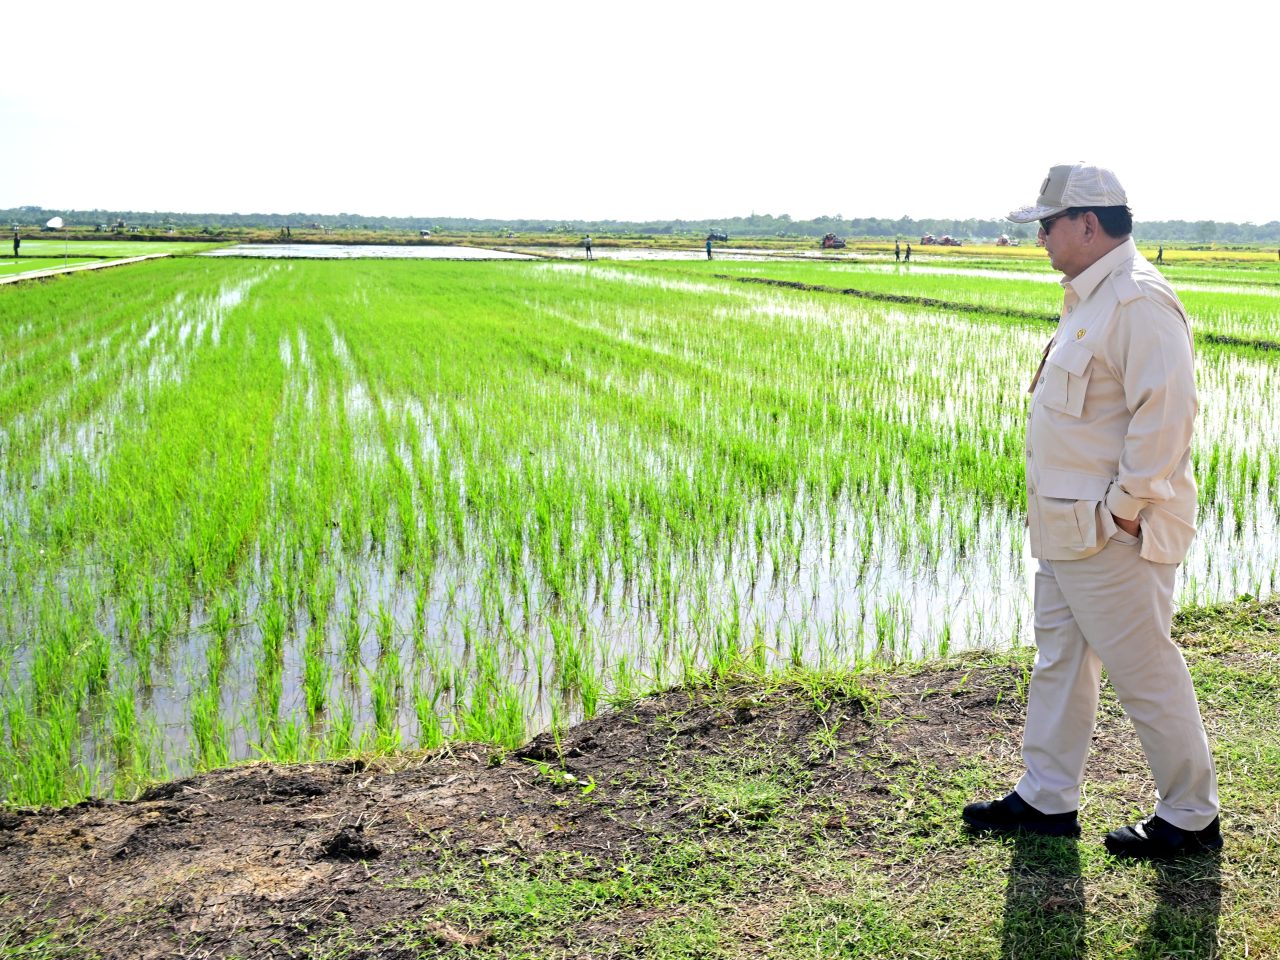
<point x="306" y="509"/>
<point x="10" y="266"/>
<point x="111" y="248"/>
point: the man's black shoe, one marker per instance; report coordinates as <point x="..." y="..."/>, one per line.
<point x="1013" y="813"/>
<point x="1157" y="839"/>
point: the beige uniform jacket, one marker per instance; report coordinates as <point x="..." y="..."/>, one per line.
<point x="1109" y="430"/>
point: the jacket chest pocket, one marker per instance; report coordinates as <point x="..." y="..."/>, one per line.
<point x="1065" y="378"/>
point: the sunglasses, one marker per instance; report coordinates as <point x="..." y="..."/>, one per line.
<point x="1047" y="224"/>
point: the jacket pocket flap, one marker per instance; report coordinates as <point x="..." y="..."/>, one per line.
<point x="1072" y="357"/>
<point x="1069" y="485"/>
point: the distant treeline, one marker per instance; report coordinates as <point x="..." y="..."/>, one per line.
<point x="756" y="225"/>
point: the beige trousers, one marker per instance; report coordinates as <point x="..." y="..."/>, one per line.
<point x="1113" y="610"/>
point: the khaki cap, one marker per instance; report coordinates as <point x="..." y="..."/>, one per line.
<point x="1073" y="185"/>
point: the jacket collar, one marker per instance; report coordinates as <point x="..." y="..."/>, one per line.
<point x="1088" y="279"/>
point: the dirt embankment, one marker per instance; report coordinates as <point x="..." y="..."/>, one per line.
<point x="258" y="860"/>
<point x="268" y="861"/>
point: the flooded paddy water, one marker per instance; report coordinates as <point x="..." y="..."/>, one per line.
<point x="298" y="509"/>
<point x="606" y="252"/>
<point x="361" y="251"/>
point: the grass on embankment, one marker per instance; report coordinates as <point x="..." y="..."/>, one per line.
<point x="806" y="816"/>
<point x="847" y="843"/>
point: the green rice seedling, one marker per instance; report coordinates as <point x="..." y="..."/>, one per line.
<point x="96" y="663"/>
<point x="124" y="725"/>
<point x="352" y="630"/>
<point x="430" y="728"/>
<point x="290" y="742"/>
<point x="208" y="730"/>
<point x="216" y="657"/>
<point x="758" y="657"/>
<point x="340" y="740"/>
<point x="385" y="625"/>
<point x="17" y="723"/>
<point x="589" y="691"/>
<point x="725" y="657"/>
<point x="50" y="774"/>
<point x="886" y="623"/>
<point x="265" y="720"/>
<point x="272" y="620"/>
<point x="383" y="685"/>
<point x="494" y="716"/>
<point x="320" y="596"/>
<point x="421" y="596"/>
<point x="624" y="685"/>
<point x="316" y="672"/>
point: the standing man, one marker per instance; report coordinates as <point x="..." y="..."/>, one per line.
<point x="908" y="260"/>
<point x="708" y="247"/>
<point x="1111" y="502"/>
<point x="897" y="251"/>
<point x="587" y="243"/>
<point x="17" y="242"/>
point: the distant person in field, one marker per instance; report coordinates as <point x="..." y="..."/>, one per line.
<point x="708" y="248"/>
<point x="1160" y="254"/>
<point x="17" y="242"/>
<point x="908" y="260"/>
<point x="897" y="251"/>
<point x="587" y="243"/>
<point x="1111" y="511"/>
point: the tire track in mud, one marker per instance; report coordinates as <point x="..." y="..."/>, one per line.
<point x="1216" y="339"/>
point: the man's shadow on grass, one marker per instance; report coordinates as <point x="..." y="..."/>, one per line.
<point x="1184" y="923"/>
<point x="1044" y="900"/>
<point x="1044" y="911"/>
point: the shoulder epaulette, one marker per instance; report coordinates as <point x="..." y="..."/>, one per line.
<point x="1125" y="286"/>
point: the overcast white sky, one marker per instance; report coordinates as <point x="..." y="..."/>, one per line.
<point x="636" y="111"/>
